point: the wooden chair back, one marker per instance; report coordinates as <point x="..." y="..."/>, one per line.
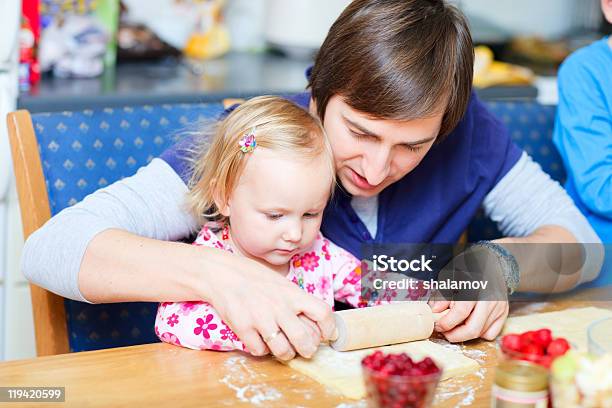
<point x="50" y="326"/>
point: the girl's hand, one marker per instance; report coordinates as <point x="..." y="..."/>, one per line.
<point x="260" y="304"/>
<point x="467" y="320"/>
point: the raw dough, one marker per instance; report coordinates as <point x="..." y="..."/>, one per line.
<point x="570" y="323"/>
<point x="342" y="369"/>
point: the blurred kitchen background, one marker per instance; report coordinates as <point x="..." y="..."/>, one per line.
<point x="60" y="55"/>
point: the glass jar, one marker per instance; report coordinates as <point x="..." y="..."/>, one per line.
<point x="520" y="384"/>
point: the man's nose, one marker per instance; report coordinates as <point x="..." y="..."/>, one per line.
<point x="377" y="165"/>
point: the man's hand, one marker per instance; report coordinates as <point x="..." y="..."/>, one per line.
<point x="473" y="313"/>
<point x="267" y="312"/>
<point x="467" y="320"/>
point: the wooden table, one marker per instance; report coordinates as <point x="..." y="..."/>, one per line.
<point x="161" y="375"/>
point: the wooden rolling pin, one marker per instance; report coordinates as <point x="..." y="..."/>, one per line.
<point x="382" y="325"/>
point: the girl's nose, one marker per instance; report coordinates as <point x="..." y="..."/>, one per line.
<point x="293" y="233"/>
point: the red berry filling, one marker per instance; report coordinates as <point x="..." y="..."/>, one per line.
<point x="536" y="346"/>
<point x="395" y="380"/>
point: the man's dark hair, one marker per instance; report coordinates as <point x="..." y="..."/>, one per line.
<point x="397" y="59"/>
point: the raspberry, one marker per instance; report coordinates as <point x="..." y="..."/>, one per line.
<point x="532" y="352"/>
<point x="527" y="338"/>
<point x="542" y="337"/>
<point x="546" y="360"/>
<point x="533" y="349"/>
<point x="558" y="347"/>
<point x="511" y="342"/>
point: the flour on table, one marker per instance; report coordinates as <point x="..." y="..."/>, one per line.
<point x="246" y="383"/>
<point x="463" y="387"/>
<point x="358" y="404"/>
<point x="443" y="393"/>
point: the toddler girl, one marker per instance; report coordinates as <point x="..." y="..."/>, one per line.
<point x="259" y="191"/>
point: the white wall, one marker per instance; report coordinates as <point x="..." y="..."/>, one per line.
<point x="16" y="327"/>
<point x="18" y="320"/>
<point x="546" y="18"/>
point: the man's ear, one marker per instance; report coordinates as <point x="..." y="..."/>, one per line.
<point x="220" y="202"/>
<point x="312" y="108"/>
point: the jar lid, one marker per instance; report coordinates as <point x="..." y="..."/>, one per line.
<point x="521" y="375"/>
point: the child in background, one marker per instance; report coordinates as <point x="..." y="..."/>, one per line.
<point x="583" y="135"/>
<point x="260" y="191"/>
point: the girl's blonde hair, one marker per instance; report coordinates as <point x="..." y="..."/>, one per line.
<point x="278" y="124"/>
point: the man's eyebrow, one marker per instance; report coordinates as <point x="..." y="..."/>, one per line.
<point x="361" y="128"/>
<point x="418" y="142"/>
<point x="372" y="134"/>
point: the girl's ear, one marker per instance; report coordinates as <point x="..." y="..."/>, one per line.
<point x="225" y="210"/>
<point x="220" y="202"/>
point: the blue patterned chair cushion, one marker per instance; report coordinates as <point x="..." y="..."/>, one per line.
<point x="83" y="151"/>
<point x="531" y="127"/>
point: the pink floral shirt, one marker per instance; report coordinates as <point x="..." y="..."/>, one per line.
<point x="325" y="270"/>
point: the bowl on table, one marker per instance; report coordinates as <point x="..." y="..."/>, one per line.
<point x="395" y="380"/>
<point x="599" y="335"/>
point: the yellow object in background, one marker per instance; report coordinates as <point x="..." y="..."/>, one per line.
<point x="488" y="72"/>
<point x="211" y="38"/>
<point x="211" y="44"/>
